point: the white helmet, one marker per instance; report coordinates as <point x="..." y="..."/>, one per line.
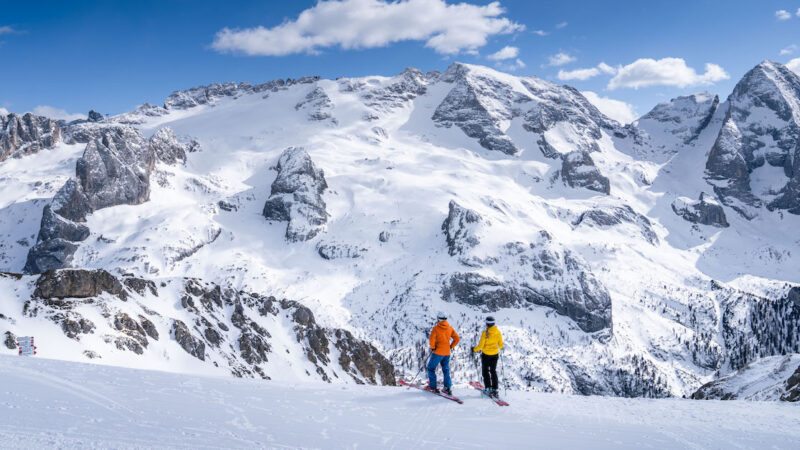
<point x="440" y="316"/>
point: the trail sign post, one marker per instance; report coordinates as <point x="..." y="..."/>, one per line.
<point x="26" y="347"/>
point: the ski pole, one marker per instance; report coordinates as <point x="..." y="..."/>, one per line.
<point x="413" y="380"/>
<point x="503" y="374"/>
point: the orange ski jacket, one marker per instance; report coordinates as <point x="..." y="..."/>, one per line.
<point x="441" y="334"/>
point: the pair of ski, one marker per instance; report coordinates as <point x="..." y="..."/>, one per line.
<point x="474" y="384"/>
<point x="498" y="400"/>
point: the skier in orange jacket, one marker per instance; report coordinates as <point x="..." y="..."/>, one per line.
<point x="443" y="339"/>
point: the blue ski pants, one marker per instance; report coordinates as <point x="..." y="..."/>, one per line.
<point x="435" y="361"/>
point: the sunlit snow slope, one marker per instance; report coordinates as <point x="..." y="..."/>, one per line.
<point x="68" y="405"/>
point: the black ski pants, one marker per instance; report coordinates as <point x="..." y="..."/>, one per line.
<point x="489" y="364"/>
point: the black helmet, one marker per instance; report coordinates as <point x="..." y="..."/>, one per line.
<point x="489" y="321"/>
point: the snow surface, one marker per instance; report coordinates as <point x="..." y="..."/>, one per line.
<point x="49" y="403"/>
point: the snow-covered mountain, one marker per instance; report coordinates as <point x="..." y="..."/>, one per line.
<point x="312" y="228"/>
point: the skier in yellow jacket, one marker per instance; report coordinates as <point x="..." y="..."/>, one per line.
<point x="490" y="346"/>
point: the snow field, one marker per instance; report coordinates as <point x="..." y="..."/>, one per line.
<point x="49" y="403"/>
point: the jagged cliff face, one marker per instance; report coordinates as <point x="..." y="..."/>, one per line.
<point x="754" y="160"/>
<point x="617" y="260"/>
<point x="26" y="134"/>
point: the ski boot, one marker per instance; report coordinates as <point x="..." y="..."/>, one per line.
<point x="447" y="391"/>
<point x="434" y="390"/>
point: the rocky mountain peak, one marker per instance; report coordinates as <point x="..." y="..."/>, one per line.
<point x="761" y="130"/>
<point x="769" y="85"/>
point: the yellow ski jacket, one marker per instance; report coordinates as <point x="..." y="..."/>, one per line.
<point x="491" y="341"/>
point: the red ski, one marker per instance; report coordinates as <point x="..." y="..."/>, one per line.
<point x="480" y="387"/>
<point x="440" y="394"/>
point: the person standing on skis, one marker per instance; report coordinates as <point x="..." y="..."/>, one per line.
<point x="443" y="339"/>
<point x="490" y="346"/>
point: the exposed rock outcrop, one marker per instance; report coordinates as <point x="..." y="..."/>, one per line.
<point x="193" y="346"/>
<point x="296" y="196"/>
<point x="26" y="134"/>
<point x="77" y="283"/>
<point x="538" y="274"/>
<point x="402" y="88"/>
<point x="114" y="170"/>
<point x="336" y="250"/>
<point x="95" y="116"/>
<point x="56" y="243"/>
<point x="317" y="105"/>
<point x="792" y="387"/>
<point x="609" y="217"/>
<point x="461" y="229"/>
<point x="578" y="170"/>
<point x="464" y="108"/>
<point x="705" y="211"/>
<point x="209" y="95"/>
<point x="167" y="147"/>
<point x="10" y="340"/>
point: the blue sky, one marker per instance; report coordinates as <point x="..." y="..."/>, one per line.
<point x="112" y="56"/>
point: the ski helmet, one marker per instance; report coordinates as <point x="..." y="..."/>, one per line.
<point x="489" y="321"/>
<point x="441" y="316"/>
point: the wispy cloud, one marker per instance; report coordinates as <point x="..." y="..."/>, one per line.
<point x="664" y="72"/>
<point x="788" y="50"/>
<point x="539" y="32"/>
<point x="56" y="113"/>
<point x="561" y="25"/>
<point x="5" y="29"/>
<point x="355" y="24"/>
<point x="585" y="74"/>
<point x="782" y="14"/>
<point x="506" y="52"/>
<point x="559" y="59"/>
<point x="511" y="66"/>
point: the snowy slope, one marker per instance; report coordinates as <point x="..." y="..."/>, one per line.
<point x="68" y="405"/>
<point x="599" y="286"/>
<point x="764" y="379"/>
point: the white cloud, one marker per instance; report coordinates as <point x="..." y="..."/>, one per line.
<point x="578" y="74"/>
<point x="504" y="53"/>
<point x="585" y="74"/>
<point x="354" y="24"/>
<point x="5" y="29"/>
<point x="797" y="13"/>
<point x="618" y="110"/>
<point x="539" y="32"/>
<point x="782" y="14"/>
<point x="3" y="111"/>
<point x="561" y="25"/>
<point x="794" y="65"/>
<point x="559" y="59"/>
<point x="788" y="50"/>
<point x="510" y="67"/>
<point x="56" y="113"/>
<point x="664" y="72"/>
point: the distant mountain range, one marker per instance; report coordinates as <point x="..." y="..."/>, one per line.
<point x="312" y="228"/>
